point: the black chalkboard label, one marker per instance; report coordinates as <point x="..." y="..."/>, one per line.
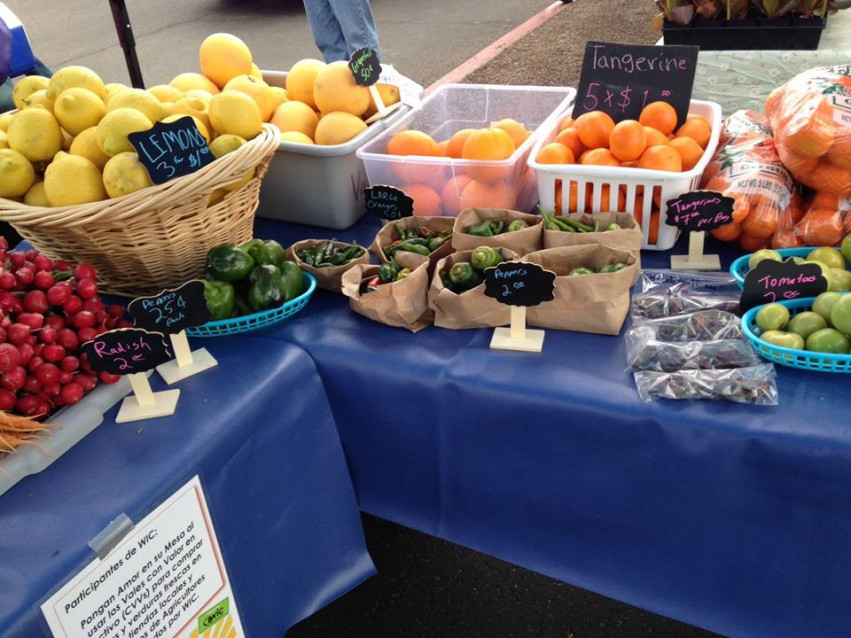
<point x="172" y="310"/>
<point x="622" y="79"/>
<point x="700" y="210"/>
<point x="171" y="150"/>
<point x="388" y="203"/>
<point x="126" y="351"/>
<point x="774" y="281"/>
<point x="519" y="284"/>
<point x="365" y="66"/>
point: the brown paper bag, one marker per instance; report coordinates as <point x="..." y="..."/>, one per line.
<point x="470" y="309"/>
<point x="629" y="238"/>
<point x="388" y="234"/>
<point x="595" y="303"/>
<point x="403" y="304"/>
<point x="520" y="241"/>
<point x="329" y="277"/>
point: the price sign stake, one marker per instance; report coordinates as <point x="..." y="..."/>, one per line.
<point x="131" y="352"/>
<point x="697" y="212"/>
<point x="519" y="285"/>
<point x="171" y="312"/>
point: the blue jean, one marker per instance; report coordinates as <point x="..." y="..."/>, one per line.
<point x="340" y="27"/>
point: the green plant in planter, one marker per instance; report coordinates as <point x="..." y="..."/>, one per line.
<point x="813" y="8"/>
<point x="678" y="11"/>
<point x="775" y="8"/>
<point x="707" y="9"/>
<point x="736" y="9"/>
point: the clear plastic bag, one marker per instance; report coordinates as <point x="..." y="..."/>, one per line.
<point x="755" y="385"/>
<point x="666" y="293"/>
<point x="660" y="356"/>
<point x="703" y="325"/>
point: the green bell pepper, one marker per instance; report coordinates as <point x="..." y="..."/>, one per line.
<point x="613" y="226"/>
<point x="485" y="257"/>
<point x="292" y="280"/>
<point x="387" y="273"/>
<point x="580" y="271"/>
<point x="220" y="298"/>
<point x="265" y="290"/>
<point x="229" y="263"/>
<point x="464" y="277"/>
<point x="517" y="224"/>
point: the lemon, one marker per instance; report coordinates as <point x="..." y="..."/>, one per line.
<point x="35" y="133"/>
<point x="113" y="129"/>
<point x="36" y="196"/>
<point x="235" y="112"/>
<point x="78" y="109"/>
<point x="124" y="174"/>
<point x="255" y="71"/>
<point x="188" y="81"/>
<point x="138" y="99"/>
<point x="86" y="145"/>
<point x="81" y="76"/>
<point x="4" y="140"/>
<point x="165" y="93"/>
<point x="4" y="120"/>
<point x="257" y="90"/>
<point x="67" y="140"/>
<point x="113" y="88"/>
<point x="279" y="95"/>
<point x="201" y="127"/>
<point x="225" y="144"/>
<point x="26" y="86"/>
<point x="16" y="173"/>
<point x="295" y="136"/>
<point x="194" y="106"/>
<point x="204" y="96"/>
<point x="37" y="98"/>
<point x="216" y="196"/>
<point x="71" y="179"/>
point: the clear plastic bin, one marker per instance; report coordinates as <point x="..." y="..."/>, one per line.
<point x="500" y="184"/>
<point x="318" y="185"/>
<point x="555" y="182"/>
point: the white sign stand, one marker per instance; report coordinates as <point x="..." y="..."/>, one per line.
<point x="383" y="110"/>
<point x="186" y="362"/>
<point x="517" y="337"/>
<point x="695" y="260"/>
<point x="144" y="403"/>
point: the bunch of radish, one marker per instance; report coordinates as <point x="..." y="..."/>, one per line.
<point x="47" y="310"/>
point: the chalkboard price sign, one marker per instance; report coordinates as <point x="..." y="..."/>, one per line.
<point x="126" y="351"/>
<point x="773" y="281"/>
<point x="700" y="210"/>
<point x="388" y="203"/>
<point x="519" y="284"/>
<point x="172" y="310"/>
<point x="171" y="150"/>
<point x="622" y="79"/>
<point x="365" y="66"/>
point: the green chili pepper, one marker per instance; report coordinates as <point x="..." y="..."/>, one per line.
<point x="229" y="263"/>
<point x="292" y="280"/>
<point x="596" y="225"/>
<point x="387" y="273"/>
<point x="517" y="224"/>
<point x="220" y="298"/>
<point x="401" y="232"/>
<point x="307" y="255"/>
<point x="485" y="257"/>
<point x="403" y="273"/>
<point x="485" y="229"/>
<point x="265" y="290"/>
<point x="436" y="242"/>
<point x="550" y="222"/>
<point x="563" y="225"/>
<point x="580" y="271"/>
<point x="464" y="277"/>
<point x="578" y="225"/>
<point x="414" y="248"/>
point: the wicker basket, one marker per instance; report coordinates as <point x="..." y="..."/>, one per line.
<point x="157" y="237"/>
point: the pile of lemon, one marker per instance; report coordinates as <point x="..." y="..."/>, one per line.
<point x="67" y="142"/>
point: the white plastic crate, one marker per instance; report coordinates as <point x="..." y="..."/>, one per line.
<point x="453" y="107"/>
<point x="554" y="180"/>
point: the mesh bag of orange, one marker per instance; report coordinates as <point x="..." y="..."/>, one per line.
<point x="748" y="169"/>
<point x="826" y="222"/>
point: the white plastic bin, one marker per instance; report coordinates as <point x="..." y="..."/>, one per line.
<point x="318" y="185"/>
<point x="555" y="182"/>
<point x="503" y="184"/>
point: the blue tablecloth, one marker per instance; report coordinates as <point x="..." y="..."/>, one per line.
<point x="730" y="517"/>
<point x="258" y="430"/>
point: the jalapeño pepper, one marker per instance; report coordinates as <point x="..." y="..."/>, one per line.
<point x="229" y="263"/>
<point x="220" y="298"/>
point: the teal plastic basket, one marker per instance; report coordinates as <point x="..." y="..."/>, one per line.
<point x="803" y="359"/>
<point x="739" y="268"/>
<point x="258" y="320"/>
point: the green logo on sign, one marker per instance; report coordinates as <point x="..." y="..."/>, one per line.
<point x="214" y="615"/>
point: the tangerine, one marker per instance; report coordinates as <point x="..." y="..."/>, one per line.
<point x="555" y="153"/>
<point x="832" y="179"/>
<point x="840" y="151"/>
<point x="659" y="115"/>
<point x="443" y="147"/>
<point x="605" y="204"/>
<point x="488" y="144"/>
<point x="516" y="131"/>
<point x="810" y="135"/>
<point x="456" y="142"/>
<point x="451" y="194"/>
<point x="413" y="142"/>
<point x="594" y="129"/>
<point x="801" y="166"/>
<point x="566" y="123"/>
<point x="727" y="232"/>
<point x="600" y="157"/>
<point x="655" y="138"/>
<point x="661" y="158"/>
<point x="570" y="138"/>
<point x="690" y="151"/>
<point x="427" y="202"/>
<point x="627" y="140"/>
<point x="696" y="128"/>
<point x="751" y="243"/>
<point x="498" y="194"/>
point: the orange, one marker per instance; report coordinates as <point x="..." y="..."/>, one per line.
<point x="427" y="203"/>
<point x="696" y="128"/>
<point x="570" y="138"/>
<point x="566" y="123"/>
<point x="653" y="230"/>
<point x="456" y="142"/>
<point x="689" y="150"/>
<point x="800" y="166"/>
<point x="594" y="129"/>
<point x="555" y="153"/>
<point x="224" y="56"/>
<point x="828" y="201"/>
<point x="443" y="147"/>
<point x="831" y="179"/>
<point x="451" y="193"/>
<point x="572" y="199"/>
<point x="655" y="138"/>
<point x="659" y="115"/>
<point x="412" y="143"/>
<point x="488" y="144"/>
<point x="810" y="135"/>
<point x="516" y="131"/>
<point x="497" y="194"/>
<point x="751" y="243"/>
<point x="785" y="239"/>
<point x="627" y="140"/>
<point x="661" y="158"/>
<point x="605" y="200"/>
<point x="741" y="207"/>
<point x="840" y="151"/>
<point x="600" y="157"/>
<point x="727" y="232"/>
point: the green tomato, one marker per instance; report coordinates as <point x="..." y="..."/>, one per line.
<point x="828" y="256"/>
<point x="783" y="339"/>
<point x="840" y="314"/>
<point x="580" y="271"/>
<point x="846" y="248"/>
<point x="798" y="260"/>
<point x="761" y="255"/>
<point x="840" y="280"/>
<point x="806" y="323"/>
<point x="828" y="340"/>
<point x="824" y="304"/>
<point x="772" y="317"/>
<point x="825" y="269"/>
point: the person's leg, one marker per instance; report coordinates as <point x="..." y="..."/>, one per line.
<point x="326" y="30"/>
<point x="358" y="25"/>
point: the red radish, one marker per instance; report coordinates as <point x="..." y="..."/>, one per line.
<point x="87" y="288"/>
<point x="86" y="334"/>
<point x="27" y="352"/>
<point x="83" y="319"/>
<point x="53" y="353"/>
<point x="54" y="321"/>
<point x="47" y="373"/>
<point x="14" y="379"/>
<point x="57" y="294"/>
<point x="35" y="363"/>
<point x="10" y="357"/>
<point x="43" y="280"/>
<point x="7" y="400"/>
<point x="72" y="393"/>
<point x="67" y="338"/>
<point x="7" y="280"/>
<point x="115" y="311"/>
<point x="65" y="377"/>
<point x="60" y="265"/>
<point x="106" y="377"/>
<point x="72" y="306"/>
<point x="35" y="301"/>
<point x="42" y="263"/>
<point x="17" y="259"/>
<point x="84" y="381"/>
<point x="123" y="323"/>
<point x="31" y="406"/>
<point x="31" y="254"/>
<point x="32" y="319"/>
<point x="93" y="306"/>
<point x="32" y="385"/>
<point x="2" y="335"/>
<point x="18" y="333"/>
<point x="84" y="271"/>
<point x="24" y="276"/>
<point x="51" y="389"/>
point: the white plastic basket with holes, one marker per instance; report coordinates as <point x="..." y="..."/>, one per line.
<point x="555" y="183"/>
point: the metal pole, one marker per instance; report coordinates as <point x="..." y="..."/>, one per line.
<point x="128" y="43"/>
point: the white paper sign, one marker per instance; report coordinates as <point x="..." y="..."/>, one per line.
<point x="165" y="579"/>
<point x="409" y="91"/>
